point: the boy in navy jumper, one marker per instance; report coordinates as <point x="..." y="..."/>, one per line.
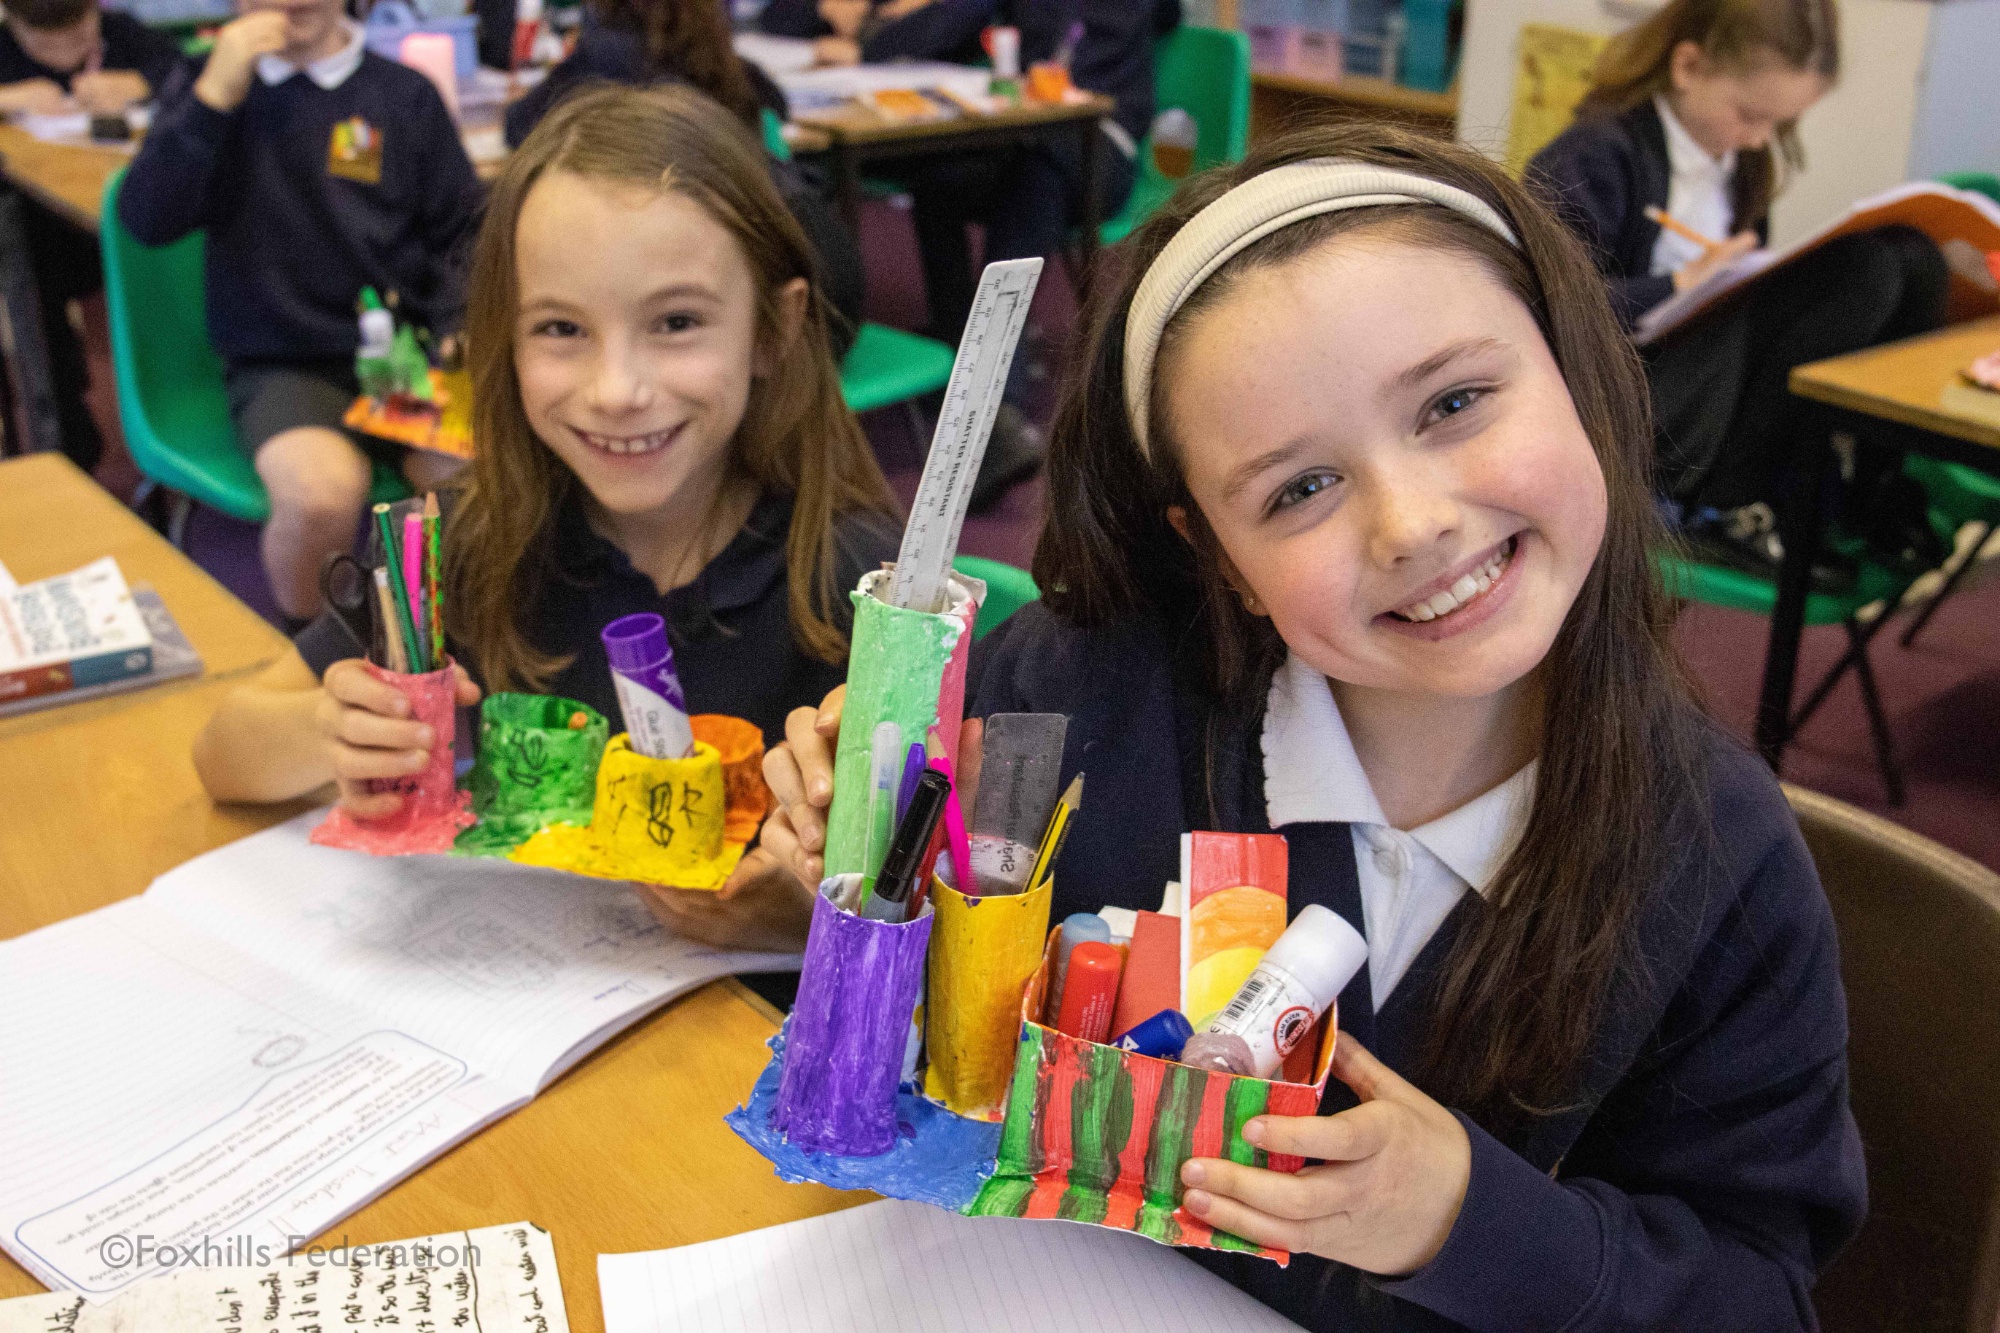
<point x="61" y="56"/>
<point x="316" y="169"/>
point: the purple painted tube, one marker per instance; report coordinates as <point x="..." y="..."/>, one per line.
<point x="649" y="691"/>
<point x="845" y="1041"/>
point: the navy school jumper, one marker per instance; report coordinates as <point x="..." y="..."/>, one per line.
<point x="1712" y="1166"/>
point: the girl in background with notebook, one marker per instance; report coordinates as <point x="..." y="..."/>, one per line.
<point x="659" y="428"/>
<point x="1693" y="118"/>
<point x="1350" y="540"/>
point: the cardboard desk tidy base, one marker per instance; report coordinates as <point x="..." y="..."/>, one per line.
<point x="549" y="789"/>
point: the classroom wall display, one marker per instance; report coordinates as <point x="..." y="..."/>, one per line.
<point x="550" y="788"/>
<point x="1085" y="1132"/>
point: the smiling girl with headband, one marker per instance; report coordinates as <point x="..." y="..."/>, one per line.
<point x="1348" y="539"/>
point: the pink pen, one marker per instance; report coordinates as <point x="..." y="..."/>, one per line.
<point x="413" y="566"/>
<point x="954" y="832"/>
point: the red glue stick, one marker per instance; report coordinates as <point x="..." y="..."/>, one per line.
<point x="1090" y="988"/>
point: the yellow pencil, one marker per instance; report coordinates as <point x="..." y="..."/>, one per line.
<point x="1654" y="213"/>
<point x="1052" y="840"/>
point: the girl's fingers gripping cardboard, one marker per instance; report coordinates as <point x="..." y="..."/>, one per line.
<point x="350" y="682"/>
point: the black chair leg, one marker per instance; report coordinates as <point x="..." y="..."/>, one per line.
<point x="1950" y="586"/>
<point x="1878" y="722"/>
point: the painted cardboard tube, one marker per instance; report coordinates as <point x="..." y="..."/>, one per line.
<point x="433" y="808"/>
<point x="984" y="951"/>
<point x="895" y="673"/>
<point x="850" y="1029"/>
<point x="534" y="768"/>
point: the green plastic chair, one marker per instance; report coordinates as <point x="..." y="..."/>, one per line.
<point x="1719" y="585"/>
<point x="1008" y="589"/>
<point x="171" y="401"/>
<point x="887" y="366"/>
<point x="1206" y="73"/>
<point x="774" y="135"/>
<point x="1958" y="494"/>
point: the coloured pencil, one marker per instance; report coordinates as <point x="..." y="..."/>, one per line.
<point x="433" y="560"/>
<point x="1681" y="229"/>
<point x="1058" y="830"/>
<point x="392" y="643"/>
<point x="413" y="587"/>
<point x="398" y="593"/>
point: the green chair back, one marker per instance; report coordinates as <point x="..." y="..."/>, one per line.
<point x="887" y="366"/>
<point x="774" y="135"/>
<point x="171" y="401"/>
<point x="1008" y="589"/>
<point x="1206" y="73"/>
<point x="1984" y="182"/>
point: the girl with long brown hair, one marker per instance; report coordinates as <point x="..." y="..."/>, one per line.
<point x="1693" y="115"/>
<point x="1349" y="540"/>
<point x="660" y="428"/>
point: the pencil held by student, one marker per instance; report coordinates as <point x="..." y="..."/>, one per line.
<point x="660" y="430"/>
<point x="1351" y="540"/>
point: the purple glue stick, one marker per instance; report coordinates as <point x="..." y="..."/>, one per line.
<point x="649" y="693"/>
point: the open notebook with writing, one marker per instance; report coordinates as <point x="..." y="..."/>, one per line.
<point x="275" y="1033"/>
<point x="898" y="1265"/>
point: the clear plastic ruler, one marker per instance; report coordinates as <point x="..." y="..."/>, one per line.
<point x="971" y="402"/>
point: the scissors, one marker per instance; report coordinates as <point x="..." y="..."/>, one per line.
<point x="348" y="586"/>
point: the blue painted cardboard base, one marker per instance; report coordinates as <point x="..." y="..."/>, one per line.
<point x="939" y="1158"/>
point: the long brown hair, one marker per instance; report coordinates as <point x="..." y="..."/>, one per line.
<point x="690" y="40"/>
<point x="1801" y="35"/>
<point x="796" y="436"/>
<point x="1529" y="978"/>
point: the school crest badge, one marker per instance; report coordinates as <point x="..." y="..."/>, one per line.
<point x="355" y="151"/>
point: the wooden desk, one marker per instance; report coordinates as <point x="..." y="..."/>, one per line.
<point x="67" y="178"/>
<point x="53" y="518"/>
<point x="857" y="135"/>
<point x="626" y="1152"/>
<point x="1277" y="100"/>
<point x="1903" y="383"/>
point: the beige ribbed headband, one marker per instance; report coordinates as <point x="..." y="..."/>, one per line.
<point x="1267" y="202"/>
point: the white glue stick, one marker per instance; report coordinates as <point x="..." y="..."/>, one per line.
<point x="1295" y="982"/>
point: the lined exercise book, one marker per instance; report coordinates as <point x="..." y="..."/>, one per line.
<point x="892" y="1266"/>
<point x="496" y="1279"/>
<point x="275" y="1033"/>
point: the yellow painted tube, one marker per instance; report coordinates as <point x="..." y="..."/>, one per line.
<point x="983" y="952"/>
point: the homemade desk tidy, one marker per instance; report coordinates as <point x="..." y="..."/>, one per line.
<point x="672" y="800"/>
<point x="947" y="1046"/>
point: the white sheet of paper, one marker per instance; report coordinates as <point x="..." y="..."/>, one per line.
<point x="275" y="1033"/>
<point x="498" y="1279"/>
<point x="896" y="1265"/>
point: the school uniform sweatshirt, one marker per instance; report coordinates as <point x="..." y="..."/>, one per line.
<point x="298" y="221"/>
<point x="1709" y="1167"/>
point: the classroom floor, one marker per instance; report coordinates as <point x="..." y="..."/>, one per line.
<point x="1942" y="696"/>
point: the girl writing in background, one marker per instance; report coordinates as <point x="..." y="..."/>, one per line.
<point x="1350" y="540"/>
<point x="1694" y="114"/>
<point x="660" y="429"/>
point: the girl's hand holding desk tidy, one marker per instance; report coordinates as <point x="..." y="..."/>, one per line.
<point x="1357" y="493"/>
<point x="650" y="386"/>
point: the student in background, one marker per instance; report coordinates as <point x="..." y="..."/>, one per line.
<point x="1030" y="198"/>
<point x="1694" y="113"/>
<point x="61" y="56"/>
<point x="316" y="168"/>
<point x="660" y="429"/>
<point x="1350" y="539"/>
<point x="645" y="42"/>
<point x="848" y="32"/>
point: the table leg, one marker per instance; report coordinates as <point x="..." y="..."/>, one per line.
<point x="27" y="353"/>
<point x="1801" y="525"/>
<point x="1092" y="145"/>
<point x="847" y="186"/>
